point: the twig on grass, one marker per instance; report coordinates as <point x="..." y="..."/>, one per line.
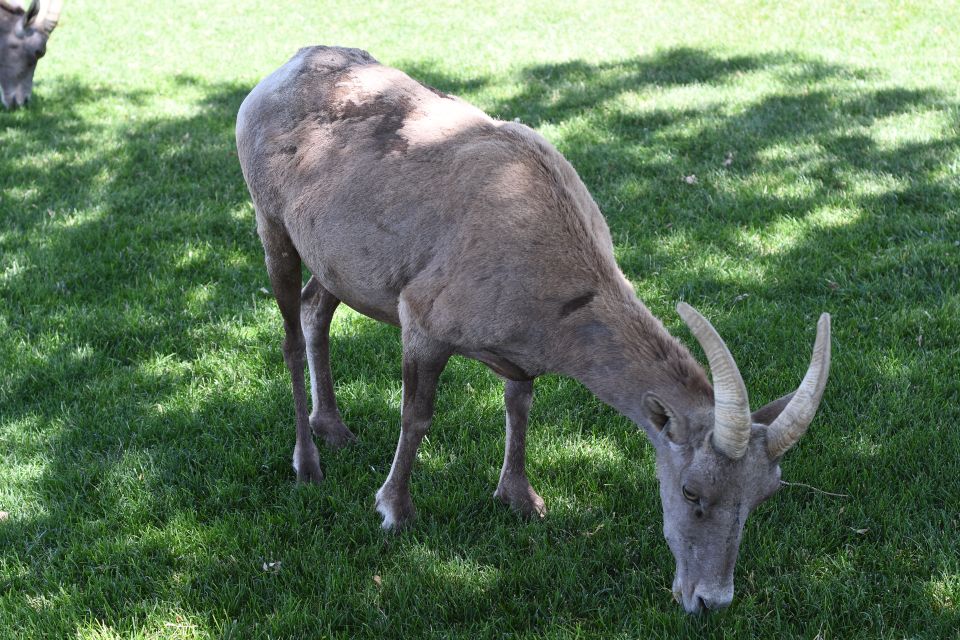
<point x="807" y="486"/>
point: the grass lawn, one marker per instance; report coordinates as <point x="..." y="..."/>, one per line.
<point x="146" y="422"/>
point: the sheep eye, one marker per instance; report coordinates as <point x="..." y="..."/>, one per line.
<point x="691" y="497"/>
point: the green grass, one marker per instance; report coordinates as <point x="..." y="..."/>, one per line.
<point x="146" y="424"/>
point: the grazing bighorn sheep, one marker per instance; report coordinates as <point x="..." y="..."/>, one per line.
<point x="477" y="238"/>
<point x="23" y="41"/>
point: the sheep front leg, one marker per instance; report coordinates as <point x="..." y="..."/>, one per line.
<point x="423" y="361"/>
<point x="514" y="488"/>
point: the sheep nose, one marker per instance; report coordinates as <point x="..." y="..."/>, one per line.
<point x="714" y="602"/>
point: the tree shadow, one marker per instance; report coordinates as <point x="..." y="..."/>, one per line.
<point x="175" y="453"/>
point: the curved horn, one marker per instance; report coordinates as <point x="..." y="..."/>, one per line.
<point x="49" y="16"/>
<point x="731" y="411"/>
<point x="31" y="12"/>
<point x="793" y="421"/>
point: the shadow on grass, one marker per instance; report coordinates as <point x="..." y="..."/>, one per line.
<point x="144" y="383"/>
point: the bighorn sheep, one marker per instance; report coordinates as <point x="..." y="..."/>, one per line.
<point x="476" y="237"/>
<point x="23" y="41"/>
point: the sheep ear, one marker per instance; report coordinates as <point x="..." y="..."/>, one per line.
<point x="769" y="412"/>
<point x="661" y="416"/>
<point x="9" y="8"/>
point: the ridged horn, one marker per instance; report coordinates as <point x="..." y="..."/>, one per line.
<point x="731" y="409"/>
<point x="49" y="16"/>
<point x="793" y="421"/>
<point x="31" y="12"/>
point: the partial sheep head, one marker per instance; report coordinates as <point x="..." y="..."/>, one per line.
<point x="716" y="465"/>
<point x="23" y="41"/>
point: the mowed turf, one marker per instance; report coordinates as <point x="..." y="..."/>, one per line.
<point x="763" y="162"/>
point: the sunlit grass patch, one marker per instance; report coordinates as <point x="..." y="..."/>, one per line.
<point x="925" y="126"/>
<point x="944" y="592"/>
<point x="466" y="578"/>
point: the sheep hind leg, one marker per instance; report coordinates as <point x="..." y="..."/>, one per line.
<point x="316" y="312"/>
<point x="283" y="267"/>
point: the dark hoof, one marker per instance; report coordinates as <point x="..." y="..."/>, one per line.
<point x="306" y="462"/>
<point x="398" y="512"/>
<point x="335" y="434"/>
<point x="310" y="476"/>
<point x="522" y="499"/>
